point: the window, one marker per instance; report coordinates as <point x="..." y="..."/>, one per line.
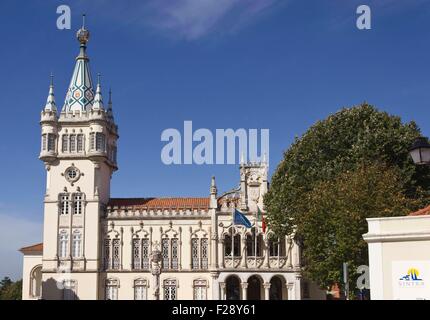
<point x="276" y="247"/>
<point x="77" y="205"/>
<point x="51" y="142"/>
<point x="254" y="244"/>
<point x="136" y="253"/>
<point x="204" y="253"/>
<point x="200" y="289"/>
<point x="100" y="141"/>
<point x="107" y="254"/>
<point x="65" y="204"/>
<point x="80" y="143"/>
<point x="44" y="142"/>
<point x="69" y="290"/>
<point x="140" y="289"/>
<point x="111" y="289"/>
<point x="141" y="253"/>
<point x="228" y="244"/>
<point x="165" y="253"/>
<point x="145" y="253"/>
<point x="64" y="243"/>
<point x="65" y="140"/>
<point x="199" y="254"/>
<point x="76" y="244"/>
<point x="72" y="143"/>
<point x="112" y="254"/>
<point x="195" y="253"/>
<point x="175" y="253"/>
<point x="92" y="141"/>
<point x="116" y="254"/>
<point x="170" y="289"/>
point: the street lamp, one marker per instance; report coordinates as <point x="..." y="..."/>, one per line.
<point x="420" y="151"/>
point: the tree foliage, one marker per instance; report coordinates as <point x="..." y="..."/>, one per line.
<point x="10" y="290"/>
<point x="327" y="184"/>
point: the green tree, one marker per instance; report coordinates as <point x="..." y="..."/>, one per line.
<point x="337" y="214"/>
<point x="11" y="290"/>
<point x="346" y="142"/>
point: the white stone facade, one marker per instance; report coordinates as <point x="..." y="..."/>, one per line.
<point x="97" y="247"/>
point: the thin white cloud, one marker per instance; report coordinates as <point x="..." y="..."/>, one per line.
<point x="185" y="19"/>
<point x="16" y="233"/>
<point x="194" y="19"/>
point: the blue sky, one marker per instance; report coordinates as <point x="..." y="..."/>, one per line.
<point x="276" y="64"/>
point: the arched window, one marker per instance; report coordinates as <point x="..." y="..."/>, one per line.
<point x="228" y="244"/>
<point x="80" y="143"/>
<point x="254" y="244"/>
<point x="199" y="253"/>
<point x="36" y="282"/>
<point x="277" y="247"/>
<point x="170" y="253"/>
<point x="65" y="203"/>
<point x="116" y="254"/>
<point x="140" y="289"/>
<point x="92" y="140"/>
<point x="63" y="243"/>
<point x="170" y="287"/>
<point x="200" y="289"/>
<point x="141" y="253"/>
<point x="78" y="203"/>
<point x="112" y="254"/>
<point x="111" y="289"/>
<point x="107" y="254"/>
<point x="72" y="143"/>
<point x="44" y="142"/>
<point x="65" y="144"/>
<point x="51" y="142"/>
<point x="76" y="244"/>
<point x="100" y="142"/>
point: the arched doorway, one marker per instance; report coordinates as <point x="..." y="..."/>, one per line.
<point x="275" y="292"/>
<point x="232" y="288"/>
<point x="254" y="288"/>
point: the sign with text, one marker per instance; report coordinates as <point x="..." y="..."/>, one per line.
<point x="411" y="280"/>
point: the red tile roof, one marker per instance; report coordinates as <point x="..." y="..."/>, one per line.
<point x="32" y="249"/>
<point x="422" y="212"/>
<point x="161" y="203"/>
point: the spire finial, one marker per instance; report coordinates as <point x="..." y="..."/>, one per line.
<point x="110" y="97"/>
<point x="83" y="34"/>
<point x="98" y="100"/>
<point x="50" y="105"/>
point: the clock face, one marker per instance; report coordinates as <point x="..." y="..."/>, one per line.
<point x="72" y="174"/>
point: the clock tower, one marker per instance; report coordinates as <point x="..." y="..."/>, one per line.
<point x="79" y="147"/>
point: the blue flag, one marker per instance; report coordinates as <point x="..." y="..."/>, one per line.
<point x="239" y="218"/>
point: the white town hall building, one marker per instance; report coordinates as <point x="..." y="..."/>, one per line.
<point x="98" y="247"/>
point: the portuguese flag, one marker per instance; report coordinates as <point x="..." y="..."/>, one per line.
<point x="260" y="217"/>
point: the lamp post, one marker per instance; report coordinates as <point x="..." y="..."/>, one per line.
<point x="156" y="269"/>
<point x="420" y="151"/>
